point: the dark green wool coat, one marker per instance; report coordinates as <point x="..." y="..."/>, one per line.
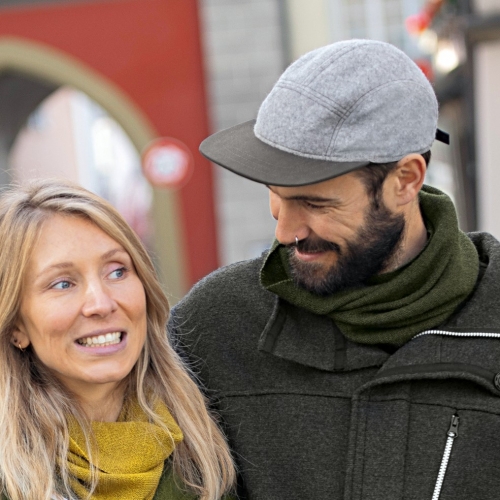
<point x="311" y="415"/>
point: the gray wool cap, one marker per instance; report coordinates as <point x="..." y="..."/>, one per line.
<point x="335" y="109"/>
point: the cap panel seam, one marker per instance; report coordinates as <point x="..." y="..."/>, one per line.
<point x="318" y="98"/>
<point x="301" y="155"/>
<point x="338" y="128"/>
<point x="376" y="89"/>
<point x="329" y="60"/>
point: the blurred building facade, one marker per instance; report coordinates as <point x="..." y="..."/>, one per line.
<point x="245" y="52"/>
<point x="483" y="38"/>
<point x="188" y="68"/>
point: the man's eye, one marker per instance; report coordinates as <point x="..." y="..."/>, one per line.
<point x="312" y="205"/>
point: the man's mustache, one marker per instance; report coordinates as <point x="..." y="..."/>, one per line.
<point x="313" y="245"/>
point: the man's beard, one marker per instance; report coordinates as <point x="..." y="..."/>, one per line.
<point x="375" y="247"/>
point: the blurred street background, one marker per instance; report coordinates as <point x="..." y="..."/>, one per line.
<point x="117" y="95"/>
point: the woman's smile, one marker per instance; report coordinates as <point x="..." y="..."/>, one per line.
<point x="102" y="339"/>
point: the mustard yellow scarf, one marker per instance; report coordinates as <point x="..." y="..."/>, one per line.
<point x="129" y="455"/>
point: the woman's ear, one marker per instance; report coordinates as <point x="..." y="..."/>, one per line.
<point x="409" y="176"/>
<point x="19" y="338"/>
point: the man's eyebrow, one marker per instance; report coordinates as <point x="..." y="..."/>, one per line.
<point x="308" y="197"/>
<point x="316" y="199"/>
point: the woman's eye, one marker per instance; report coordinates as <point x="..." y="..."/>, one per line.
<point x="61" y="285"/>
<point x="118" y="273"/>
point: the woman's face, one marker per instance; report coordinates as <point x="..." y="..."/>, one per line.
<point x="83" y="307"/>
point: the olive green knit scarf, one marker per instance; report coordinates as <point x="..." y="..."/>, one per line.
<point x="395" y="306"/>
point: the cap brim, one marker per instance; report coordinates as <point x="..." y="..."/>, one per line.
<point x="238" y="150"/>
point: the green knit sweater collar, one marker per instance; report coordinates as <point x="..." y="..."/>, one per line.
<point x="395" y="306"/>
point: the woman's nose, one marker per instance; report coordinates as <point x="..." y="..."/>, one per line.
<point x="98" y="301"/>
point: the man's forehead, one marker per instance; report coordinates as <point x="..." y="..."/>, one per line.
<point x="325" y="189"/>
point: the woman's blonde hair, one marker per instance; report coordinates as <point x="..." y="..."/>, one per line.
<point x="35" y="407"/>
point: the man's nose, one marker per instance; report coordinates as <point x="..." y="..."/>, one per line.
<point x="290" y="224"/>
<point x="98" y="300"/>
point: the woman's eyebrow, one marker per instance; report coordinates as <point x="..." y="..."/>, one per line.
<point x="68" y="265"/>
<point x="112" y="252"/>
<point x="59" y="265"/>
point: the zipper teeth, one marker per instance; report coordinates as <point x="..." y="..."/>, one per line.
<point x="451" y="436"/>
<point x="443" y="467"/>
<point x="458" y="334"/>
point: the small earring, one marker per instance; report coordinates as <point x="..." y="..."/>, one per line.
<point x="296" y="241"/>
<point x="20" y="347"/>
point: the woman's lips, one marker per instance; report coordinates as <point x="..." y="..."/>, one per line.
<point x="101" y="340"/>
<point x="104" y="348"/>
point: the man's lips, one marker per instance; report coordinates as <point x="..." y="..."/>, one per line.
<point x="308" y="256"/>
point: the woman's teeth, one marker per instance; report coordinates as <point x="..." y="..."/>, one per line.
<point x="101" y="340"/>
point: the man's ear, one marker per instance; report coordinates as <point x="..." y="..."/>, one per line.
<point x="409" y="177"/>
<point x="19" y="337"/>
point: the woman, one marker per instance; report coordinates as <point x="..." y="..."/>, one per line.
<point x="95" y="402"/>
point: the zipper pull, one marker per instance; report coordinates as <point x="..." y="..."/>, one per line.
<point x="453" y="430"/>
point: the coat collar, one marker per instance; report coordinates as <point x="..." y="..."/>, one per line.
<point x="312" y="340"/>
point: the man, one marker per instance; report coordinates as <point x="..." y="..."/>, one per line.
<point x="358" y="358"/>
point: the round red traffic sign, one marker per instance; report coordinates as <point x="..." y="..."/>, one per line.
<point x="167" y="163"/>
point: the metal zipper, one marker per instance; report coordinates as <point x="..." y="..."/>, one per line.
<point x="452" y="433"/>
<point x="458" y="334"/>
<point x="451" y="436"/>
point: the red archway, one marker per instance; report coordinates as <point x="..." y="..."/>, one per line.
<point x="150" y="51"/>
